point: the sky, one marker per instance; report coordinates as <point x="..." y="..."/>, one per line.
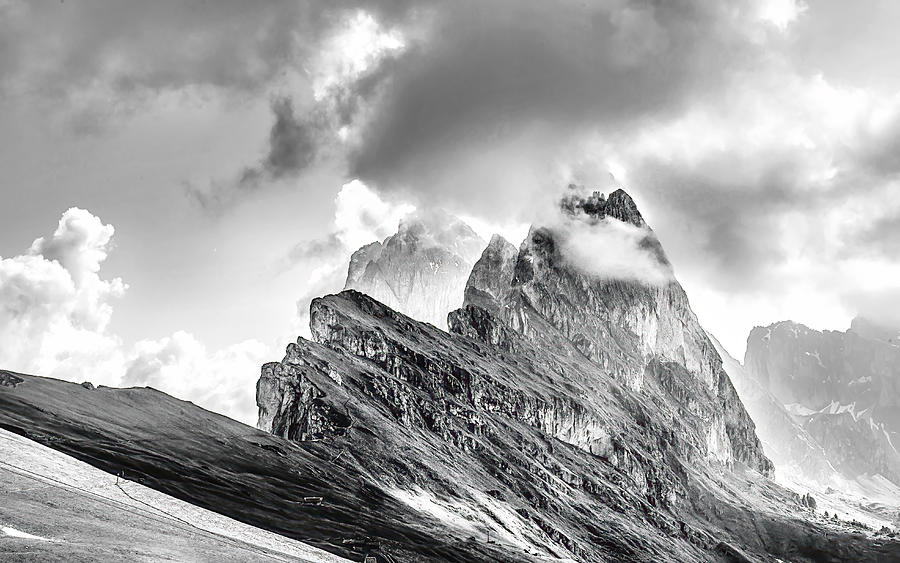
<point x="181" y="178"/>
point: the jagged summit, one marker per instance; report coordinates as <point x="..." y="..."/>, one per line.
<point x="420" y="270"/>
<point x="572" y="412"/>
<point x="596" y="205"/>
<point x="492" y="274"/>
<point x="644" y="334"/>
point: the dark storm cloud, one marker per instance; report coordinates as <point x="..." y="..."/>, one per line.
<point x="292" y="147"/>
<point x="489" y="72"/>
<point x="732" y="208"/>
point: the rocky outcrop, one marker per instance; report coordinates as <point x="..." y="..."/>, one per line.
<point x="421" y="270"/>
<point x="492" y="275"/>
<point x="570" y="415"/>
<point x="646" y="336"/>
<point x="7" y="379"/>
<point x="491" y="434"/>
<point x="843" y="388"/>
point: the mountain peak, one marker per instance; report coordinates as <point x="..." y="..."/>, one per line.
<point x="422" y="269"/>
<point x="596" y="206"/>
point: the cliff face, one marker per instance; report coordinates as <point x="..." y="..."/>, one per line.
<point x="517" y="449"/>
<point x="843" y="388"/>
<point x="566" y="413"/>
<point x="421" y="270"/>
<point x="644" y="335"/>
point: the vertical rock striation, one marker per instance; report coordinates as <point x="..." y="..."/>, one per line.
<point x="566" y="413"/>
<point x="631" y="329"/>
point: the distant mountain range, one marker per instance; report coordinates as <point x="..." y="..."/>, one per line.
<point x="841" y="388"/>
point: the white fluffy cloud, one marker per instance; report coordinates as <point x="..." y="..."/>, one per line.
<point x="223" y="381"/>
<point x="612" y="249"/>
<point x="55" y="309"/>
<point x="361" y="216"/>
<point x="357" y="44"/>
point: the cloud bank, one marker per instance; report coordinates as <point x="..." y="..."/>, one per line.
<point x="55" y="310"/>
<point x="54" y="306"/>
<point x="759" y="136"/>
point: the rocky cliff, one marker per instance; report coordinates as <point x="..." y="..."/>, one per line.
<point x="644" y="335"/>
<point x="567" y="414"/>
<point x="422" y="269"/>
<point x="843" y="388"/>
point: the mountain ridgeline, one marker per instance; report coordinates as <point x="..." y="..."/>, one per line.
<point x="842" y="388"/>
<point x="564" y="416"/>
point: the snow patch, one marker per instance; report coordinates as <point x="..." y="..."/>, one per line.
<point x="424" y="501"/>
<point x="14" y="533"/>
<point x="797" y="409"/>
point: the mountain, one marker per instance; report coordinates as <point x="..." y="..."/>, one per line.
<point x="843" y="388"/>
<point x="422" y="269"/>
<point x="785" y="441"/>
<point x="57" y="508"/>
<point x="567" y="415"/>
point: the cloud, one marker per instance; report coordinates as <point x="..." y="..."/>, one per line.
<point x="127" y="48"/>
<point x="612" y="249"/>
<point x="54" y="306"/>
<point x="55" y="310"/>
<point x="878" y="305"/>
<point x="353" y="45"/>
<point x="781" y="13"/>
<point x="223" y="381"/>
<point x="292" y="148"/>
<point x="79" y="244"/>
<point x="882" y="236"/>
<point x="361" y="216"/>
<point x="759" y="137"/>
<point x="537" y="75"/>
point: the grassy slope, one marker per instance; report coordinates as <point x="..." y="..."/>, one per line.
<point x="56" y="507"/>
<point x="217" y="463"/>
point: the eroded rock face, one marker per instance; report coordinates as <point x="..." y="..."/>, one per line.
<point x="492" y="275"/>
<point x="421" y="270"/>
<point x="572" y="416"/>
<point x="843" y="388"/>
<point x="488" y="432"/>
<point x="630" y="329"/>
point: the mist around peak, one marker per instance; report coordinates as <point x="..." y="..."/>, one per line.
<point x="607" y="238"/>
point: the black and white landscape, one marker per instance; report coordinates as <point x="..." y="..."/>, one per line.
<point x="449" y="281"/>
